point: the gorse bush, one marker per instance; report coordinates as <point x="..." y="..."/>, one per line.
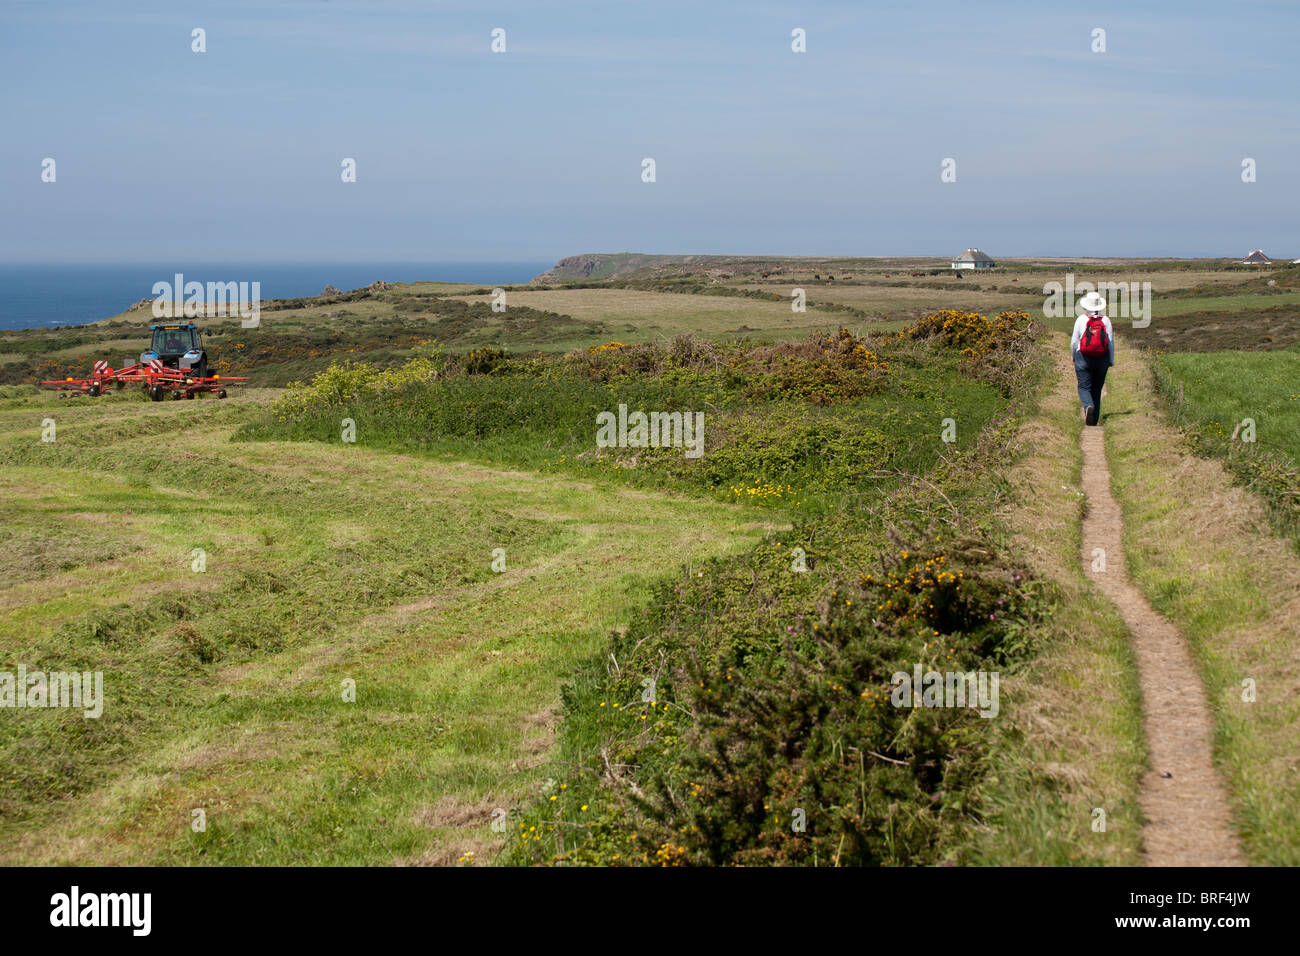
<point x="803" y="757"/>
<point x="345" y="383"/>
<point x="825" y="370"/>
<point x="832" y="369"/>
<point x="996" y="349"/>
<point x="685" y="353"/>
<point x="483" y="361"/>
<point x="974" y="334"/>
<point x="791" y="748"/>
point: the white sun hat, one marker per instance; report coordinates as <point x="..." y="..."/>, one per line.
<point x="1092" y="302"/>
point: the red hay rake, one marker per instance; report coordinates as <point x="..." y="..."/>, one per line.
<point x="158" y="380"/>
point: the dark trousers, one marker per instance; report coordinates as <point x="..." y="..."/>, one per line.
<point x="1091" y="375"/>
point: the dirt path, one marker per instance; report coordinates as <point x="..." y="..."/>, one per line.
<point x="1183" y="798"/>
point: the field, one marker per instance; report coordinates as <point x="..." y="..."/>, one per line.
<point x="641" y="316"/>
<point x="680" y="655"/>
<point x="226" y="685"/>
<point x="1244" y="408"/>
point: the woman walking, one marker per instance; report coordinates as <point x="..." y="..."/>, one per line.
<point x="1093" y="349"/>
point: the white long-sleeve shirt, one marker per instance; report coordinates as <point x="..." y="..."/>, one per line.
<point x="1080" y="324"/>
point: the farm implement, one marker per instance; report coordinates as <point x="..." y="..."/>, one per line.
<point x="158" y="380"/>
<point x="176" y="364"/>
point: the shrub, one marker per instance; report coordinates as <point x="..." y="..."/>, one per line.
<point x="344" y="383"/>
<point x="995" y="350"/>
<point x="793" y="751"/>
<point x="483" y="361"/>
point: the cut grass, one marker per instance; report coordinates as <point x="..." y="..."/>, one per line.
<point x="1201" y="551"/>
<point x="224" y="689"/>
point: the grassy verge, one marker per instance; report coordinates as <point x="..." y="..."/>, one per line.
<point x="1073" y="744"/>
<point x="1202" y="552"/>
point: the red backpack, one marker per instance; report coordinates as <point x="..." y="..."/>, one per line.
<point x="1094" y="342"/>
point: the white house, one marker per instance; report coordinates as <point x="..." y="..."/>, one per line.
<point x="1256" y="258"/>
<point x="972" y="259"/>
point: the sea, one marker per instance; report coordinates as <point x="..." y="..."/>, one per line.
<point x="42" y="296"/>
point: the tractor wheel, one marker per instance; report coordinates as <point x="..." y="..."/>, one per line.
<point x="189" y="394"/>
<point x="157" y="394"/>
<point x="118" y="383"/>
<point x="221" y="393"/>
<point x="94" y="391"/>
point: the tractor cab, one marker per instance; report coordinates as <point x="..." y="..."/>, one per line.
<point x="179" y="347"/>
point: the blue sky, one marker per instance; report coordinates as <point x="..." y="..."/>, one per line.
<point x="536" y="153"/>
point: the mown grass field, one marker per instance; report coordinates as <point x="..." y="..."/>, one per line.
<point x="323" y="564"/>
<point x="328" y="562"/>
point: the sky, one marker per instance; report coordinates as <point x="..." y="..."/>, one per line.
<point x="463" y="154"/>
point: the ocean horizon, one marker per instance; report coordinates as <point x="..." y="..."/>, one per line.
<point x="54" y="294"/>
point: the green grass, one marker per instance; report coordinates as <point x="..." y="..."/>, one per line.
<point x="324" y="563"/>
<point x="1221" y="389"/>
<point x="1212" y="395"/>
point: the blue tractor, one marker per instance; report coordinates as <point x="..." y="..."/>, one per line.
<point x="179" y="347"/>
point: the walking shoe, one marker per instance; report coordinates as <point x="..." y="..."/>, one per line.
<point x="1090" y="415"/>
